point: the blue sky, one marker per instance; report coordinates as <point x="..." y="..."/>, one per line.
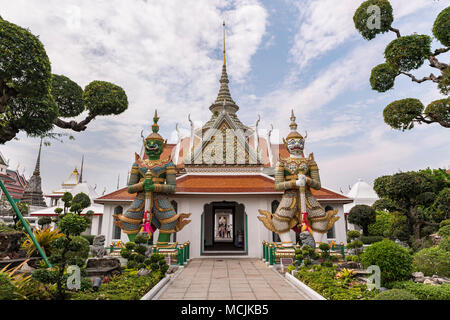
<point x="284" y="54"/>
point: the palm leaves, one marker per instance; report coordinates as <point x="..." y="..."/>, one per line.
<point x="44" y="236"/>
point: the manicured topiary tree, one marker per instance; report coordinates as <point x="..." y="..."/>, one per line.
<point x="69" y="249"/>
<point x="394" y="261"/>
<point x="382" y="223"/>
<point x="362" y="215"/>
<point x="34" y="101"/>
<point x="404" y="54"/>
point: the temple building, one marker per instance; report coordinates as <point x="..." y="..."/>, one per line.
<point x="225" y="173"/>
<point x="74" y="185"/>
<point x="33" y="191"/>
<point x="14" y="181"/>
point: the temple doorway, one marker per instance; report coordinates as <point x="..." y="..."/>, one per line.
<point x="224" y="228"/>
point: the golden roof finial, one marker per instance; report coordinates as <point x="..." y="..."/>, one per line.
<point x="223" y="24"/>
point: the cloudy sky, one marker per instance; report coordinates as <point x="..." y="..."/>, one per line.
<point x="283" y="54"/>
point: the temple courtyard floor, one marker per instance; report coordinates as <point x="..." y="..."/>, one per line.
<point x="229" y="279"/>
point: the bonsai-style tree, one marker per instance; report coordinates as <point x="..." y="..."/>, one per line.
<point x="419" y="196"/>
<point x="362" y="215"/>
<point x="404" y="54"/>
<point x="34" y="101"/>
<point x="68" y="249"/>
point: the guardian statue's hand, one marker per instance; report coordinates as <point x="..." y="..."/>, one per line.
<point x="148" y="185"/>
<point x="301" y="182"/>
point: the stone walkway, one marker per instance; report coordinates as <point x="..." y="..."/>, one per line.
<point x="229" y="279"/>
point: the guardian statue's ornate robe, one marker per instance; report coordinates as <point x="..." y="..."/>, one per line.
<point x="164" y="216"/>
<point x="287" y="215"/>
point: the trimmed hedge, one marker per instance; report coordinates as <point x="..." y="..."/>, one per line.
<point x="425" y="291"/>
<point x="394" y="261"/>
<point x="395" y="294"/>
<point x="371" y="239"/>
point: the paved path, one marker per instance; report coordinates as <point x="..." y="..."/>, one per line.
<point x="229" y="279"/>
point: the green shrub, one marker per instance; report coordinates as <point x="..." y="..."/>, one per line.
<point x="141" y="239"/>
<point x="371" y="239"/>
<point x="326" y="263"/>
<point x="445" y="245"/>
<point x="382" y="223"/>
<point x="394" y="261"/>
<point x="125" y="253"/>
<point x="130" y="245"/>
<point x="131" y="264"/>
<point x="324" y="246"/>
<point x="89" y="238"/>
<point x="432" y="261"/>
<point x="444" y="223"/>
<point x="7" y="288"/>
<point x="395" y="294"/>
<point x="322" y="280"/>
<point x="425" y="291"/>
<point x="353" y="234"/>
<point x="73" y="224"/>
<point x="444" y="231"/>
<point x="141" y="249"/>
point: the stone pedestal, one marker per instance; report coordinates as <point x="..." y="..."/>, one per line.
<point x="106" y="266"/>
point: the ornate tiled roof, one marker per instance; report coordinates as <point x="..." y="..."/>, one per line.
<point x="225" y="184"/>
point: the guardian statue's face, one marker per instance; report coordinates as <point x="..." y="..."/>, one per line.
<point x="153" y="148"/>
<point x="295" y="146"/>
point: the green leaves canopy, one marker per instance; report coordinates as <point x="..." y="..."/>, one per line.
<point x="363" y="14"/>
<point x="68" y="96"/>
<point x="408" y="52"/>
<point x="439" y="110"/>
<point x="441" y="27"/>
<point x="400" y="114"/>
<point x="362" y="215"/>
<point x="25" y="66"/>
<point x="104" y="98"/>
<point x="382" y="77"/>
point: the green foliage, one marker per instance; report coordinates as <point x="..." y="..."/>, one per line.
<point x="58" y="210"/>
<point x="128" y="286"/>
<point x="158" y="264"/>
<point x="362" y="215"/>
<point x="42" y="221"/>
<point x="439" y="110"/>
<point x="80" y="202"/>
<point x="67" y="198"/>
<point x="445" y="244"/>
<point x="384" y="204"/>
<point x="323" y="280"/>
<point x="444" y="223"/>
<point x="444" y="84"/>
<point x="395" y="294"/>
<point x="432" y="261"/>
<point x="141" y="239"/>
<point x="23" y="207"/>
<point x="7" y="288"/>
<point x="141" y="250"/>
<point x="131" y="264"/>
<point x="324" y="246"/>
<point x="363" y="18"/>
<point x="441" y="27"/>
<point x="130" y="245"/>
<point x="394" y="261"/>
<point x="73" y="224"/>
<point x="401" y="114"/>
<point x="89" y="238"/>
<point x="383" y="77"/>
<point x="408" y="52"/>
<point x="46" y="276"/>
<point x="353" y="234"/>
<point x="444" y="232"/>
<point x="381" y="225"/>
<point x="68" y="96"/>
<point x="104" y="98"/>
<point x="125" y="253"/>
<point x="425" y="291"/>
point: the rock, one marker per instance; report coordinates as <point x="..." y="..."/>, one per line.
<point x="429" y="281"/>
<point x="418" y="277"/>
<point x="143" y="272"/>
<point x="9" y="242"/>
<point x="26" y="269"/>
<point x="103" y="266"/>
<point x="306" y="238"/>
<point x="435" y="238"/>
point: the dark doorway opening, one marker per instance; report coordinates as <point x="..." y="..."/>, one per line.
<point x="224" y="228"/>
